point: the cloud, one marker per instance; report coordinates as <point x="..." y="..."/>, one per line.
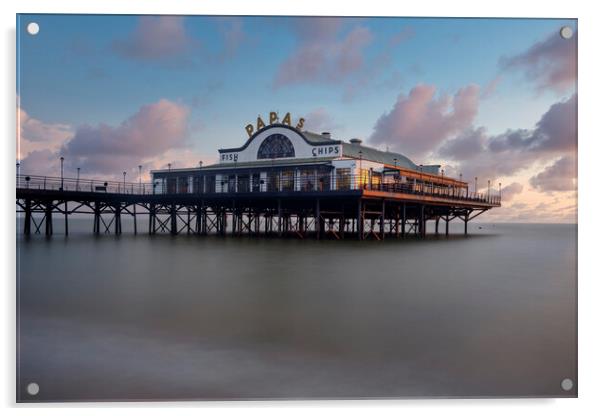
<point x="157" y="38"/>
<point x="421" y="121"/>
<point x="153" y="130"/>
<point x="549" y="64"/>
<point x="406" y="33"/>
<point x="233" y="35"/>
<point x="479" y="154"/>
<point x="555" y="131"/>
<point x="510" y="191"/>
<point x="491" y="87"/>
<point x="34" y="134"/>
<point x="561" y="176"/>
<point x="321" y="55"/>
<point x="320" y="120"/>
<point x="467" y="145"/>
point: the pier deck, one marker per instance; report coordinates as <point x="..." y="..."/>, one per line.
<point x="351" y="210"/>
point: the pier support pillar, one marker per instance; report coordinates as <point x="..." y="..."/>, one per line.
<point x="382" y="221"/>
<point x="437" y="225"/>
<point x="447" y="225"/>
<point x="96" y="227"/>
<point x="422" y="225"/>
<point x="66" y="219"/>
<point x="135" y="219"/>
<point x="27" y="224"/>
<point x="118" y="219"/>
<point x="360" y="221"/>
<point x="48" y="218"/>
<point x="403" y="221"/>
<point x="279" y="218"/>
<point x="173" y="220"/>
<point x="466" y="224"/>
<point x="318" y="220"/>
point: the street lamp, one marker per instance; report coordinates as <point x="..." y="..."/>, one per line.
<point x="62" y="182"/>
<point x="139" y="178"/>
<point x="421" y="182"/>
<point x="475" y="186"/>
<point x="124" y="172"/>
<point x="500" y="192"/>
<point x="488" y="188"/>
<point x="361" y="170"/>
<point x="77" y="181"/>
<point x="18" y="165"/>
<point x="169" y="167"/>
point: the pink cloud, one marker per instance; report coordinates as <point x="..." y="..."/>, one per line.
<point x="152" y="131"/>
<point x="561" y="176"/>
<point x="421" y="121"/>
<point x="34" y="134"/>
<point x="319" y="120"/>
<point x="156" y="38"/>
<point x="552" y="140"/>
<point x="549" y="64"/>
<point x="510" y="191"/>
<point x="321" y="56"/>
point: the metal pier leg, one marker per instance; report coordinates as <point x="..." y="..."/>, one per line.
<point x="437" y="225"/>
<point x="174" y="220"/>
<point x="117" y="219"/>
<point x="403" y="221"/>
<point x="382" y="221"/>
<point x="27" y="224"/>
<point x="151" y="218"/>
<point x="318" y="220"/>
<point x="447" y="225"/>
<point x="66" y="219"/>
<point x="96" y="218"/>
<point x="279" y="218"/>
<point x="360" y="221"/>
<point x="48" y="218"/>
<point x="135" y="221"/>
<point x="422" y="222"/>
<point x="466" y="224"/>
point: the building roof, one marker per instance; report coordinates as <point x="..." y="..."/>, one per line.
<point x="369" y="153"/>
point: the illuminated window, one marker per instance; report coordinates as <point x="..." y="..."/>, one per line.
<point x="276" y="146"/>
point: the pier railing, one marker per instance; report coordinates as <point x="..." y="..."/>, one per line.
<point x="242" y="184"/>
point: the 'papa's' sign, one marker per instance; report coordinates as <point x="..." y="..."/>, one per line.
<point x="250" y="128"/>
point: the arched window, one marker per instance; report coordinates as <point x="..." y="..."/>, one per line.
<point x="276" y="146"/>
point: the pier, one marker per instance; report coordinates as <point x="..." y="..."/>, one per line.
<point x="341" y="210"/>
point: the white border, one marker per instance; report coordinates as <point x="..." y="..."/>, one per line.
<point x="590" y="346"/>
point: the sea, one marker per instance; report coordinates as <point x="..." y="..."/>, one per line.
<point x="187" y="317"/>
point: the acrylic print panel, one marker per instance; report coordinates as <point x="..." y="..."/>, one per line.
<point x="295" y="207"/>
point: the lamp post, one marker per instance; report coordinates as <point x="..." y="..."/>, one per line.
<point x="18" y="166"/>
<point x="77" y="181"/>
<point x="500" y="192"/>
<point x="169" y="167"/>
<point x="475" y="186"/>
<point x="421" y="181"/>
<point x="139" y="178"/>
<point x="488" y="188"/>
<point x="62" y="182"/>
<point x="124" y="181"/>
<point x="361" y="171"/>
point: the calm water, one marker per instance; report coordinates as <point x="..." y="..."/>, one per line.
<point x="139" y="317"/>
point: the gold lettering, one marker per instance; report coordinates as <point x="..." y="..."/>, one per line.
<point x="249" y="129"/>
<point x="273" y="117"/>
<point x="287" y="119"/>
<point x="300" y="123"/>
<point x="260" y="123"/>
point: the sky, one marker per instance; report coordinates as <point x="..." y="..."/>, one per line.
<point x="494" y="99"/>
